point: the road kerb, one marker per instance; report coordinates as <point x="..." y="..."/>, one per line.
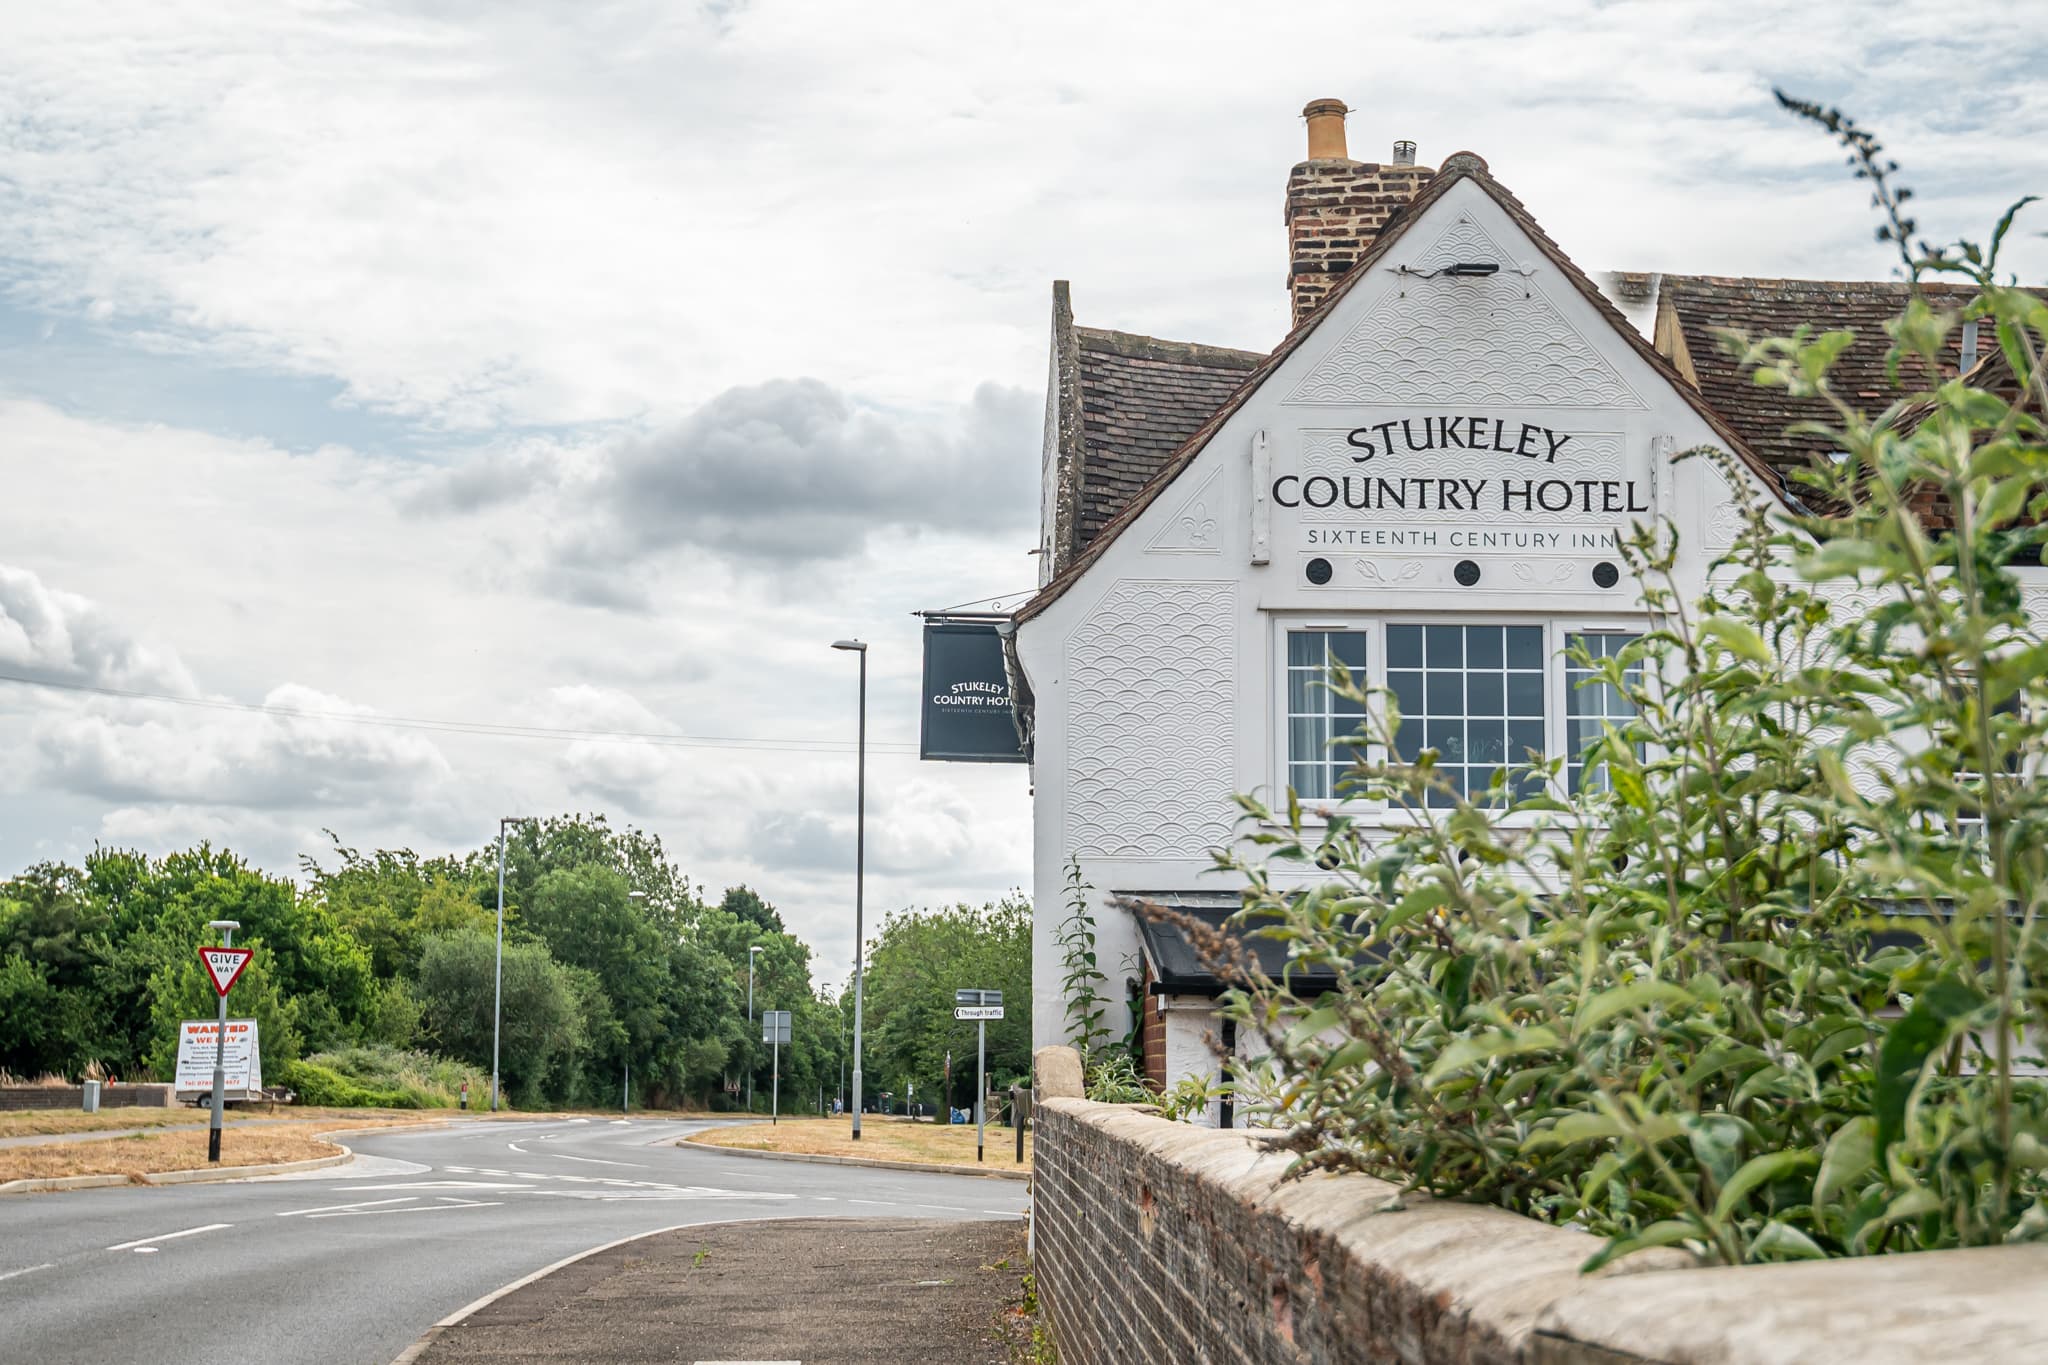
<point x="878" y="1163"/>
<point x="455" y="1319"/>
<point x="40" y="1184"/>
<point x="205" y="1174"/>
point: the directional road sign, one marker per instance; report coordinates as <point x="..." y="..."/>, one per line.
<point x="224" y="965"/>
<point x="969" y="996"/>
<point x="775" y="1026"/>
<point x="978" y="1012"/>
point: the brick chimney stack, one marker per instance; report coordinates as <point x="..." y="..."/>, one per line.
<point x="1337" y="206"/>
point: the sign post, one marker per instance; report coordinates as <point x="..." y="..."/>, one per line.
<point x="224" y="964"/>
<point x="775" y="1032"/>
<point x="967" y="714"/>
<point x="980" y="1006"/>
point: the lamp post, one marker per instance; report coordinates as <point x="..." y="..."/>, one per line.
<point x="498" y="989"/>
<point x="227" y="929"/>
<point x="626" y="1083"/>
<point x="860" y="850"/>
<point x="750" y="1019"/>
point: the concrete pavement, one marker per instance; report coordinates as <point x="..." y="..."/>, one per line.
<point x="814" y="1291"/>
<point x="350" y="1265"/>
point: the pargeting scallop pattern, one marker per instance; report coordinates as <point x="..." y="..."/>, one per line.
<point x="1152" y="688"/>
<point x="1492" y="339"/>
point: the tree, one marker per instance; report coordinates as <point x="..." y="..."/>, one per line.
<point x="543" y="1023"/>
<point x="914" y="966"/>
<point x="742" y="903"/>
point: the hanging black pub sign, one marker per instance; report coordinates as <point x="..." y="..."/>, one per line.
<point x="967" y="716"/>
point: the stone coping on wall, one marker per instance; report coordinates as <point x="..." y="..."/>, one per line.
<point x="1163" y="1241"/>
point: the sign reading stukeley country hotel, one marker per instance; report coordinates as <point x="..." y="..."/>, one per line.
<point x="1388" y="479"/>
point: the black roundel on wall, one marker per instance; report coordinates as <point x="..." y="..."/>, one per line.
<point x="1605" y="574"/>
<point x="1319" y="571"/>
<point x="1467" y="573"/>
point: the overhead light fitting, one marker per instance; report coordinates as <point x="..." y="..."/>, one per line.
<point x="1461" y="270"/>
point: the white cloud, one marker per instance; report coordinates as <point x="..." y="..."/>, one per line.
<point x="65" y="638"/>
<point x="491" y="213"/>
<point x="239" y="758"/>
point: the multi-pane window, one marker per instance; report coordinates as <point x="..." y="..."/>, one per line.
<point x="1316" y="714"/>
<point x="1590" y="706"/>
<point x="1472" y="693"/>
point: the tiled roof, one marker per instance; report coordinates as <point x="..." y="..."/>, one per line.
<point x="1140" y="399"/>
<point x="1700" y="304"/>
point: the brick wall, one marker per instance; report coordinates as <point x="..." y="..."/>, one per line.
<point x="1334" y="211"/>
<point x="73" y="1097"/>
<point x="1152" y="1026"/>
<point x="1164" y="1242"/>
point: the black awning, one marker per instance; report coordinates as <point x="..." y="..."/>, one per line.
<point x="1177" y="966"/>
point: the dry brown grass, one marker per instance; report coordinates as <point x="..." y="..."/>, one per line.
<point x="27" y="1122"/>
<point x="150" y="1153"/>
<point x="883" y="1138"/>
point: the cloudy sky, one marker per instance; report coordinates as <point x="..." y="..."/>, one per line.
<point x="590" y="367"/>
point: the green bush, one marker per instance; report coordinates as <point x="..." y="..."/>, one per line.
<point x="318" y="1085"/>
<point x="1762" y="987"/>
<point x="383" y="1077"/>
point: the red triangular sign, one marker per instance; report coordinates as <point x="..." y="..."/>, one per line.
<point x="224" y="965"/>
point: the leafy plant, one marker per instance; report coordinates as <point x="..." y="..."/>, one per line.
<point x="1081" y="979"/>
<point x="1764" y="987"/>
<point x="1113" y="1078"/>
<point x="1189" y="1098"/>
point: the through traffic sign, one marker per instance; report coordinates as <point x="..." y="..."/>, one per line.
<point x="225" y="965"/>
<point x="978" y="1012"/>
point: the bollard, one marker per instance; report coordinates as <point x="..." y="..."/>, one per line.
<point x="1020" y="1108"/>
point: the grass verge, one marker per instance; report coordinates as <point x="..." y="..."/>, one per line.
<point x="152" y="1153"/>
<point x="882" y="1138"/>
<point x="35" y="1122"/>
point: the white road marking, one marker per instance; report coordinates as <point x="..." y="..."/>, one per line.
<point x="424" y="1208"/>
<point x="515" y="1147"/>
<point x="438" y="1185"/>
<point x="330" y="1208"/>
<point x="564" y="1156"/>
<point x="169" y="1236"/>
<point x="26" y="1270"/>
<point x="880" y="1203"/>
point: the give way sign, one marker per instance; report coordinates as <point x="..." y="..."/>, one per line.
<point x="224" y="965"/>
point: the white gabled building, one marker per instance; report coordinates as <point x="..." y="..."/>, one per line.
<point x="1424" y="480"/>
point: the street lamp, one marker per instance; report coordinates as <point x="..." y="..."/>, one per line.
<point x="860" y="851"/>
<point x="626" y="1084"/>
<point x="498" y="990"/>
<point x="750" y="1019"/>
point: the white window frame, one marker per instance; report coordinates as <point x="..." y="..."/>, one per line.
<point x="1373" y="625"/>
<point x="1566" y="628"/>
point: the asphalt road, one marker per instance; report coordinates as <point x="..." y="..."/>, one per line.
<point x="350" y="1265"/>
